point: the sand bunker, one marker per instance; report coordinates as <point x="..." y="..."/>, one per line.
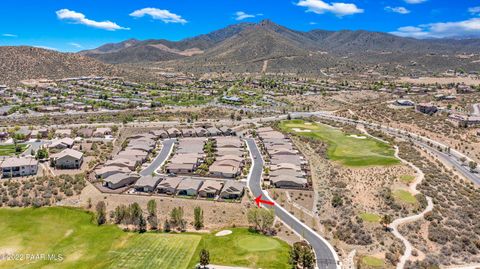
<point x="301" y="130"/>
<point x="223" y="233"/>
<point x="358" y="136"/>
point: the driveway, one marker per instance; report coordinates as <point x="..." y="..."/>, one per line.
<point x="326" y="256"/>
<point x="161" y="157"/>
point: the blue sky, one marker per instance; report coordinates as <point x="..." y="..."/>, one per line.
<point x="72" y="25"/>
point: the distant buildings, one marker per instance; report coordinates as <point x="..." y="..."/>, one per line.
<point x="426" y="108"/>
<point x="460" y="120"/>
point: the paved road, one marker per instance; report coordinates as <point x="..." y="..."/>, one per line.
<point x="327" y="258"/>
<point x="161" y="157"/>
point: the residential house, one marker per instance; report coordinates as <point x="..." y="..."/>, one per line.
<point x="147" y="183"/>
<point x="63" y="133"/>
<point x="210" y="188"/>
<point x="169" y="185"/>
<point x="67" y="159"/>
<point x="174" y="132"/>
<point x="160" y="134"/>
<point x="214" y="131"/>
<point x="85" y="132"/>
<point x="225" y="168"/>
<point x="201" y="132"/>
<point x="63" y="143"/>
<point x="189" y="132"/>
<point x="426" y="108"/>
<point x="15" y="167"/>
<point x="288" y="181"/>
<point x="464" y="120"/>
<point x="189" y="186"/>
<point x="232" y="190"/>
<point x="102" y="132"/>
<point x="109" y="170"/>
<point x="123" y="162"/>
<point x="227" y="130"/>
<point x="120" y="180"/>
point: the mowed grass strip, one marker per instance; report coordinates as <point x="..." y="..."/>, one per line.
<point x="9" y="150"/>
<point x="404" y="196"/>
<point x="71" y="233"/>
<point x="245" y="249"/>
<point x="346" y="149"/>
<point x="370" y="217"/>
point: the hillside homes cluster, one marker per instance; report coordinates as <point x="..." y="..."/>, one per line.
<point x="119" y="171"/>
<point x="287" y="168"/>
<point x="190" y="186"/>
<point x="189" y="154"/>
<point x="229" y="159"/>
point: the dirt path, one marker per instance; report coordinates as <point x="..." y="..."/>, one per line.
<point x="265" y="66"/>
<point x="394" y="225"/>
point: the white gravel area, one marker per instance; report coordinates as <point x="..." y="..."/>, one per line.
<point x="223" y="233"/>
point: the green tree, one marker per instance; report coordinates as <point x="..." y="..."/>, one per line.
<point x="301" y="256"/>
<point x="472" y="165"/>
<point x="261" y="218"/>
<point x="152" y="214"/>
<point x="386" y="220"/>
<point x="101" y="213"/>
<point x="198" y="214"/>
<point x="204" y="258"/>
<point x="142" y="224"/>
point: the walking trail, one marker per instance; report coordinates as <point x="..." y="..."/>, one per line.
<point x="394" y="225"/>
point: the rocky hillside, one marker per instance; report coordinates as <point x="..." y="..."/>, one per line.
<point x="20" y="63"/>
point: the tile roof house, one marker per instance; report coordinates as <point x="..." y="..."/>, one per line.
<point x="109" y="170"/>
<point x="120" y="180"/>
<point x="67" y="159"/>
<point x="201" y="132"/>
<point x="232" y="190"/>
<point x="225" y="168"/>
<point x="174" y="132"/>
<point x="147" y="183"/>
<point x="189" y="132"/>
<point x="123" y="162"/>
<point x="210" y="188"/>
<point x="227" y="130"/>
<point x="63" y="143"/>
<point x="85" y="132"/>
<point x="168" y="185"/>
<point x="286" y="181"/>
<point x="160" y="133"/>
<point x="101" y="132"/>
<point x="214" y="131"/>
<point x="189" y="186"/>
<point x="63" y="133"/>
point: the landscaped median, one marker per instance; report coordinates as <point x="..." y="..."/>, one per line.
<point x="71" y="240"/>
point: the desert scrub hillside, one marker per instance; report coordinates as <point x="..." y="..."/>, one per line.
<point x="21" y="63"/>
<point x="450" y="234"/>
<point x="351" y="202"/>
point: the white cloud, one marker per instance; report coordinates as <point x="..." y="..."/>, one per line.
<point x="321" y="7"/>
<point x="474" y="10"/>
<point x="466" y="28"/>
<point x="240" y="15"/>
<point x="76" y="17"/>
<point x="46" y="48"/>
<point x="159" y="14"/>
<point x="312" y="23"/>
<point x="399" y="10"/>
<point x="76" y="45"/>
<point x="415" y="1"/>
<point x="9" y="35"/>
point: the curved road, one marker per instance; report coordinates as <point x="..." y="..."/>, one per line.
<point x="326" y="256"/>
<point x="161" y="157"/>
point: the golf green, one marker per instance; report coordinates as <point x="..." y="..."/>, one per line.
<point x="348" y="149"/>
<point x="256" y="243"/>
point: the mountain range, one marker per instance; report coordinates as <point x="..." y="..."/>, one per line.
<point x="269" y="47"/>
<point x="263" y="47"/>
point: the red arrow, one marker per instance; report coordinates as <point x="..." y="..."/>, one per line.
<point x="259" y="201"/>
